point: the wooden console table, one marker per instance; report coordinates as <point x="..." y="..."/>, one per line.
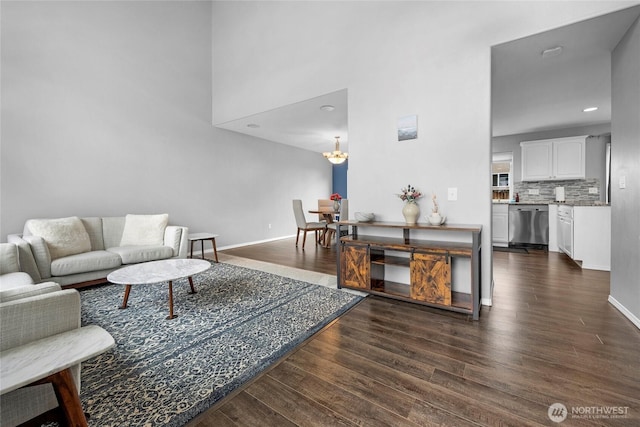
<point x="362" y="259"/>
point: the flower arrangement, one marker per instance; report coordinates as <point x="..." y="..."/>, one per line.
<point x="336" y="197"/>
<point x="435" y="203"/>
<point x="409" y="194"/>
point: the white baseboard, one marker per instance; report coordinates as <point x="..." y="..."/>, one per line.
<point x="626" y="313"/>
<point x="239" y="245"/>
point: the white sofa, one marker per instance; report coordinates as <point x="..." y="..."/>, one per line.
<point x="82" y="251"/>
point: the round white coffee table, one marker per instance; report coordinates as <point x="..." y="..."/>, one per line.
<point x="166" y="270"/>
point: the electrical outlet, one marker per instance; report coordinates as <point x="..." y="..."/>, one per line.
<point x="622" y="183"/>
<point x="452" y="193"/>
<point x="269" y="226"/>
<point x="593" y="190"/>
<point x="534" y="191"/>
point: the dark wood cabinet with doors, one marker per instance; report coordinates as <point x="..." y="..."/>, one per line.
<point x="363" y="261"/>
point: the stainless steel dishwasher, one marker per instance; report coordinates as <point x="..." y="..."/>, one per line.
<point x="528" y="225"/>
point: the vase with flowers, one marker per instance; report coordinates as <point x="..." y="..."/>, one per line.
<point x="336" y="197"/>
<point x="411" y="210"/>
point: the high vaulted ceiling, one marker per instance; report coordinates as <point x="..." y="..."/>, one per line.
<point x="529" y="93"/>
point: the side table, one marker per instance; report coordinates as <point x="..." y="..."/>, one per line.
<point x="201" y="237"/>
<point x="48" y="360"/>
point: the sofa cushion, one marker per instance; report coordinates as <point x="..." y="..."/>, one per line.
<point x="64" y="236"/>
<point x="112" y="228"/>
<point x="93" y="226"/>
<point x="135" y="254"/>
<point x="144" y="230"/>
<point x="81" y="263"/>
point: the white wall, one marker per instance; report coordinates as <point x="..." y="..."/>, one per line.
<point x="106" y="110"/>
<point x="432" y="59"/>
<point x="625" y="161"/>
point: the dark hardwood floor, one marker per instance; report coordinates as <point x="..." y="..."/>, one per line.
<point x="550" y="337"/>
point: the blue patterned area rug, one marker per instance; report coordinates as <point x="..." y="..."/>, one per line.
<point x="166" y="372"/>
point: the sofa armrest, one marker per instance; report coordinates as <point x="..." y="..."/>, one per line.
<point x="9" y="258"/>
<point x="13" y="294"/>
<point x="26" y="258"/>
<point x="29" y="319"/>
<point x="41" y="254"/>
<point x="176" y="237"/>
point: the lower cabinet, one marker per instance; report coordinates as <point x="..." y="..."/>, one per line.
<point x="500" y="224"/>
<point x="355" y="267"/>
<point x="431" y="278"/>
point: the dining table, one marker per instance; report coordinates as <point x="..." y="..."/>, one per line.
<point x="329" y="215"/>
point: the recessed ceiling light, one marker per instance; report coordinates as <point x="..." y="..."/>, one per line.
<point x="327" y="108"/>
<point x="586" y="110"/>
<point x="253" y="126"/>
<point x="554" y="51"/>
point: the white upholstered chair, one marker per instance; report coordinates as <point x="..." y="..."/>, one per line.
<point x="324" y="204"/>
<point x="29" y="316"/>
<point x="331" y="228"/>
<point x="305" y="226"/>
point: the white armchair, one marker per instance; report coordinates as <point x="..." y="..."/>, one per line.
<point x="31" y="315"/>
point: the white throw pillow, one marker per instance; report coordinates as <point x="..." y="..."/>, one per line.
<point x="144" y="230"/>
<point x="64" y="236"/>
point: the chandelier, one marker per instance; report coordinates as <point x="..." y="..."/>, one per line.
<point x="336" y="157"/>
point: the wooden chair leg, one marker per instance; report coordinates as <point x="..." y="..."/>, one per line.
<point x="297" y="237"/>
<point x="304" y="239"/>
<point x="327" y="237"/>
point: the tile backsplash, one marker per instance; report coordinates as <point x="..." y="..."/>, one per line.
<point x="575" y="190"/>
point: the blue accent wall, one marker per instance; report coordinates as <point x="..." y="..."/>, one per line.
<point x="340" y="179"/>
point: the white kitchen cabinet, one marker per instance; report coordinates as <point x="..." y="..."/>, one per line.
<point x="553" y="228"/>
<point x="537" y="160"/>
<point x="500" y="224"/>
<point x="584" y="234"/>
<point x="565" y="229"/>
<point x="554" y="159"/>
<point x="592" y="236"/>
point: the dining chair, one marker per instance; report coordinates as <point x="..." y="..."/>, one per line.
<point x="324" y="204"/>
<point x="305" y="226"/>
<point x="331" y="228"/>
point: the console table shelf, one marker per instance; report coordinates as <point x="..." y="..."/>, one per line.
<point x="362" y="261"/>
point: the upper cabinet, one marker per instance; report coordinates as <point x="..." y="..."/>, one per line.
<point x="554" y="159"/>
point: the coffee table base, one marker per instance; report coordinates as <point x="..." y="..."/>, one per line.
<point x="127" y="291"/>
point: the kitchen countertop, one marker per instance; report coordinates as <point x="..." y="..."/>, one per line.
<point x="567" y="203"/>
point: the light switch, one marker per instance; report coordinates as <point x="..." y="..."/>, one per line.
<point x="534" y="191"/>
<point x="452" y="193"/>
<point x="622" y="182"/>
